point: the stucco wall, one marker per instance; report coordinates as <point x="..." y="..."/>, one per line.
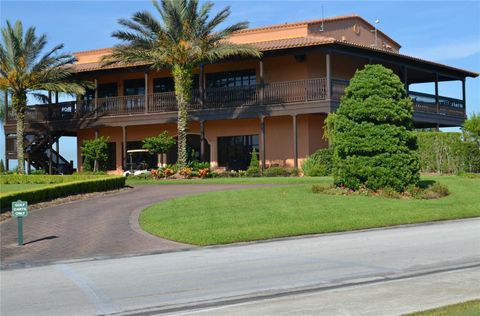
<point x="278" y="133"/>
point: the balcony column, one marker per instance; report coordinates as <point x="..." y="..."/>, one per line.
<point x="96" y="98"/>
<point x="146" y="93"/>
<point x="50" y="169"/>
<point x="262" y="82"/>
<point x="124" y="139"/>
<point x="57" y="149"/>
<point x="6" y="151"/>
<point x="262" y="143"/>
<point x="201" y="84"/>
<point x="436" y="93"/>
<point x="328" y="71"/>
<point x="202" y="140"/>
<point x="464" y="95"/>
<point x="295" y="142"/>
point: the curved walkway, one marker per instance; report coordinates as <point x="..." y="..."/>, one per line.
<point x="100" y="227"/>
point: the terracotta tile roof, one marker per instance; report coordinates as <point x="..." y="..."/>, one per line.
<point x="262" y="46"/>
<point x="315" y="21"/>
<point x="293" y="43"/>
<point x="286" y="44"/>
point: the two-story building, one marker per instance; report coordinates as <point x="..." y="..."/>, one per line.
<point x="276" y="104"/>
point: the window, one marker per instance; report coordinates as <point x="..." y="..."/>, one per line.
<point x="235" y="152"/>
<point x="231" y="79"/>
<point x="111" y="163"/>
<point x="163" y="85"/>
<point x="107" y="90"/>
<point x="104" y="90"/>
<point x="134" y="87"/>
<point x="166" y="84"/>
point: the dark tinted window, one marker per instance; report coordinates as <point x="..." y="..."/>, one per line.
<point x="166" y="84"/>
<point x="235" y="152"/>
<point x="231" y="79"/>
<point x="134" y="87"/>
<point x="111" y="163"/>
<point x="104" y="90"/>
<point x="107" y="90"/>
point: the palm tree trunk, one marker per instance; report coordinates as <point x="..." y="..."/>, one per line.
<point x="182" y="77"/>
<point x="19" y="103"/>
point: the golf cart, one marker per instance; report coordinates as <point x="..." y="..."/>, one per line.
<point x="136" y="162"/>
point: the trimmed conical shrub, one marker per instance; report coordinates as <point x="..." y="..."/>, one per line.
<point x="373" y="138"/>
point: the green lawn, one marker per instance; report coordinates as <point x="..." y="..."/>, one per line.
<point x="239" y="180"/>
<point x="278" y="211"/>
<point x="4" y="188"/>
<point x="470" y="308"/>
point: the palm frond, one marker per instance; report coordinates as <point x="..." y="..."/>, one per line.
<point x="227" y="50"/>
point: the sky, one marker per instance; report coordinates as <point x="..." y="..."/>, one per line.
<point x="443" y="31"/>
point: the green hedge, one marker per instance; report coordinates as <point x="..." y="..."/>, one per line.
<point x="319" y="163"/>
<point x="443" y="152"/>
<point x="61" y="190"/>
<point x="45" y="179"/>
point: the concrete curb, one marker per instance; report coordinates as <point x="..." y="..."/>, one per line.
<point x="252" y="297"/>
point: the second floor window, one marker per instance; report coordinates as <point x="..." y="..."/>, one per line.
<point x="163" y="85"/>
<point x="134" y="87"/>
<point x="166" y="84"/>
<point x="104" y="90"/>
<point x="107" y="90"/>
<point x="231" y="79"/>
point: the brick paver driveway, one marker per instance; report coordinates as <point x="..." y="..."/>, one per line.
<point x="98" y="227"/>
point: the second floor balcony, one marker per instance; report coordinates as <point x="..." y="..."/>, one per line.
<point x="267" y="94"/>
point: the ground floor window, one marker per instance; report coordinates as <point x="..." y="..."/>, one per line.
<point x="111" y="163"/>
<point x="235" y="152"/>
<point x="193" y="150"/>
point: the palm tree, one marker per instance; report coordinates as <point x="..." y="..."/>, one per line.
<point x="24" y="70"/>
<point x="183" y="38"/>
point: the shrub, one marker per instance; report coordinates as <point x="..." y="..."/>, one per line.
<point x="142" y="176"/>
<point x="91" y="173"/>
<point x="254" y="167"/>
<point x="53" y="191"/>
<point x="37" y="172"/>
<point x="319" y="163"/>
<point x="203" y="173"/>
<point x="428" y="191"/>
<point x="156" y="174"/>
<point x="197" y="165"/>
<point x="94" y="152"/>
<point x="45" y="179"/>
<point x="443" y="152"/>
<point x="159" y="144"/>
<point x="471" y="128"/>
<point x="373" y="138"/>
<point x="276" y="172"/>
<point x="167" y="172"/>
<point x="186" y="172"/>
<point x="2" y="166"/>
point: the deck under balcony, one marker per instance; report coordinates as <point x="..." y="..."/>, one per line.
<point x="278" y="98"/>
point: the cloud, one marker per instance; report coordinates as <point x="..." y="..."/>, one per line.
<point x="448" y="51"/>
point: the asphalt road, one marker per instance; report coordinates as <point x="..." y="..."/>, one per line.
<point x="200" y="278"/>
